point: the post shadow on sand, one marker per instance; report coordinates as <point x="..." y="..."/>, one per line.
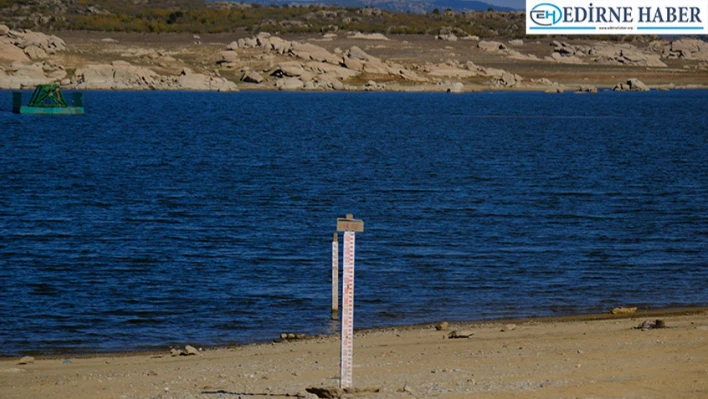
<point x="267" y="395"/>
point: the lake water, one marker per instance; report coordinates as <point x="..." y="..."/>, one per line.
<point x="164" y="218"/>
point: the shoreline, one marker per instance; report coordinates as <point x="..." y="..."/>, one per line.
<point x="583" y="317"/>
<point x="573" y="356"/>
<point x="346" y="61"/>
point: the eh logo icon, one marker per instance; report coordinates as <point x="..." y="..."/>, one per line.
<point x="546" y="14"/>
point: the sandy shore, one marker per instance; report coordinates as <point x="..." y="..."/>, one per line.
<point x="591" y="356"/>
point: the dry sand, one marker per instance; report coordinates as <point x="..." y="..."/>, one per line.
<point x="584" y="357"/>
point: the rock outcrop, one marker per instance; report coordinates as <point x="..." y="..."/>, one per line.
<point x="9" y="53"/>
<point x="491" y="46"/>
<point x="321" y="68"/>
<point x="289" y="83"/>
<point x="632" y="84"/>
<point x="252" y="77"/>
<point x="586" y="89"/>
<point x="118" y="75"/>
<point x="603" y="53"/>
<point x="27" y="75"/>
<point x="34" y="45"/>
<point x="690" y="49"/>
<point x="121" y="75"/>
<point x="25" y="45"/>
<point x="501" y="48"/>
<point x="456" y="87"/>
<point x="451" y="70"/>
<point x="188" y="80"/>
<point x="450" y="37"/>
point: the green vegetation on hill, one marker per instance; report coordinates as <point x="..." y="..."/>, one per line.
<point x="213" y="17"/>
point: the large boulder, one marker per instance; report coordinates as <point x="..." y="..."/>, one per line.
<point x="309" y="51"/>
<point x="688" y="45"/>
<point x="117" y="75"/>
<point x="335" y="71"/>
<point x="10" y="53"/>
<point x="328" y="82"/>
<point x="687" y="49"/>
<point x="632" y="84"/>
<point x="358" y="54"/>
<point x="95" y="77"/>
<point x="290" y="69"/>
<point x="233" y="46"/>
<point x="127" y="76"/>
<point x="507" y="79"/>
<point x="634" y="57"/>
<point x="450" y="37"/>
<point x="188" y="80"/>
<point x="376" y="66"/>
<point x="491" y="45"/>
<point x="49" y="43"/>
<point x="252" y="77"/>
<point x="584" y="88"/>
<point x="279" y="45"/>
<point x="22" y="75"/>
<point x="249" y="42"/>
<point x="353" y="64"/>
<point x="289" y="84"/>
<point x="228" y="56"/>
<point x="456" y="87"/>
<point x="35" y="52"/>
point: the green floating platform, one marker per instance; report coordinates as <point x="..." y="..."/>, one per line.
<point x="26" y="109"/>
<point x="48" y="100"/>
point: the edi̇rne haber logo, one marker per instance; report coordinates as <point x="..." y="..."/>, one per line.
<point x="619" y="17"/>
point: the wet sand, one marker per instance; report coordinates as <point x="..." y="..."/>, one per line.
<point x="598" y="356"/>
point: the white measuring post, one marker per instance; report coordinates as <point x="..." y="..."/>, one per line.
<point x="350" y="227"/>
<point x="335" y="276"/>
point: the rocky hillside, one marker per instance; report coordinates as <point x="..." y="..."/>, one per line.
<point x="197" y="16"/>
<point x="406" y="6"/>
<point x="344" y="61"/>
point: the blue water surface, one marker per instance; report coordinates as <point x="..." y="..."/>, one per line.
<point x="162" y="218"/>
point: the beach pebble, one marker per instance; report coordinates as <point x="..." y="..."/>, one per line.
<point x="442" y="326"/>
<point x="26" y="360"/>
<point x="509" y="327"/>
<point x="190" y="350"/>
